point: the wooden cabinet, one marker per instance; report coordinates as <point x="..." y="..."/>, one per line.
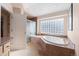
<point x="5" y="49"/>
<point x="0" y="50"/>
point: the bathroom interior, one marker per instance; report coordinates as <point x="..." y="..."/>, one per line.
<point x="39" y="29"/>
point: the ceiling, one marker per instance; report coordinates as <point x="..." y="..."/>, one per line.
<point x="38" y="9"/>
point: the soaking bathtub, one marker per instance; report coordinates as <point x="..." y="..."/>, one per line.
<point x="55" y="40"/>
<point x="53" y="46"/>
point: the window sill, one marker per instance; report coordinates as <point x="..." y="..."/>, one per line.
<point x="63" y="36"/>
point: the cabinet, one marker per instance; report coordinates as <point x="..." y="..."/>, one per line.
<point x="5" y="49"/>
<point x="0" y="50"/>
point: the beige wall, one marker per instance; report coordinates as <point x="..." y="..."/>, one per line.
<point x="53" y="14"/>
<point x="74" y="35"/>
<point x="18" y="29"/>
<point x="0" y="23"/>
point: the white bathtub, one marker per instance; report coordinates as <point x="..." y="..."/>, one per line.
<point x="55" y="40"/>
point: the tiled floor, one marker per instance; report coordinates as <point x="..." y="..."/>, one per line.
<point x="29" y="51"/>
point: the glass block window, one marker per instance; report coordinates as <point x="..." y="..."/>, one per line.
<point x="52" y="26"/>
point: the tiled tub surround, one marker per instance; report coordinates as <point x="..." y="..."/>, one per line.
<point x="48" y="46"/>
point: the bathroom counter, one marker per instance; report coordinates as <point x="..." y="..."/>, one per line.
<point x="4" y="41"/>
